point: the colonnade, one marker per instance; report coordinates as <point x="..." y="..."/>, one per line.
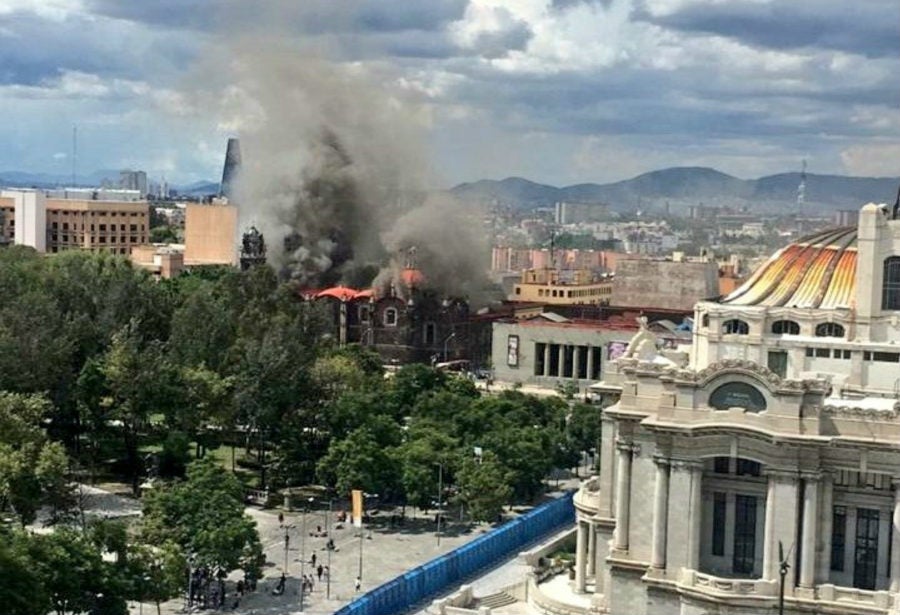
<point x="677" y="503"/>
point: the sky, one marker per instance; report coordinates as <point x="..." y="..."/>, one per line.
<point x="557" y="91"/>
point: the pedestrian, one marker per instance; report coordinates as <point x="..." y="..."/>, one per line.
<point x="327" y="572"/>
<point x="240" y="587"/>
<point x="358" y="583"/>
<point x="281" y="519"/>
<point x="319" y="571"/>
<point x="313" y="559"/>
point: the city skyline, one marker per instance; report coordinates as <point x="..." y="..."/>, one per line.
<point x="555" y="91"/>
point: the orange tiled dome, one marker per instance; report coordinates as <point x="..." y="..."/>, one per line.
<point x="817" y="271"/>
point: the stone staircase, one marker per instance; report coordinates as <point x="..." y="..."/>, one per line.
<point x="495" y="601"/>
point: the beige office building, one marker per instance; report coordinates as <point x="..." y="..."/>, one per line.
<point x="109" y="226"/>
<point x="210" y="234"/>
<point x="561" y="287"/>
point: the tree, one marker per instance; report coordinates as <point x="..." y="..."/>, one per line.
<point x="482" y="487"/>
<point x="21" y="592"/>
<point x="359" y="461"/>
<point x="140" y="382"/>
<point x="73" y="574"/>
<point x="425" y="448"/>
<point x="33" y="471"/>
<point x="157" y="574"/>
<point x="584" y="427"/>
<point x="204" y="516"/>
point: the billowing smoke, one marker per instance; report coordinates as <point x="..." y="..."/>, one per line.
<point x="336" y="175"/>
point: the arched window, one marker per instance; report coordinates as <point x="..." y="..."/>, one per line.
<point x="704" y="321"/>
<point x="735" y="327"/>
<point x="785" y="327"/>
<point x="390" y="317"/>
<point x="890" y="290"/>
<point x="829" y="329"/>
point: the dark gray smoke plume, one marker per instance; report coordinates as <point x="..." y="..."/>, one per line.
<point x="336" y="177"/>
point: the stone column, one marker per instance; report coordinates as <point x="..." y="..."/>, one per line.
<point x="781" y="522"/>
<point x="826" y="520"/>
<point x="576" y="361"/>
<point x="623" y="494"/>
<point x="562" y="360"/>
<point x="581" y="557"/>
<point x="696" y="516"/>
<point x="592" y="550"/>
<point x="770" y="549"/>
<point x="590" y="362"/>
<point x="660" y="513"/>
<point x="895" y="538"/>
<point x="546" y="359"/>
<point x="810" y="527"/>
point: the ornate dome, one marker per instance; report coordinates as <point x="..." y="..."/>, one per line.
<point x="817" y="271"/>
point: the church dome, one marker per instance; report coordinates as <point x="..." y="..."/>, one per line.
<point x="817" y="271"/>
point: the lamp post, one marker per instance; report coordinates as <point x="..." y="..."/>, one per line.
<point x="328" y="555"/>
<point x="782" y="573"/>
<point x="439" y="494"/>
<point x="447" y="341"/>
<point x="303" y="554"/>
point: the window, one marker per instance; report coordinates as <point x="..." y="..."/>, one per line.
<point x="390" y="317"/>
<point x="704" y="321"/>
<point x="785" y="327"/>
<point x="823" y="353"/>
<point x="890" y="290"/>
<point x="518" y="290"/>
<point x="838" y="537"/>
<point x="866" y="557"/>
<point x="363" y="313"/>
<point x="744" y="534"/>
<point x="718" y="526"/>
<point x="810" y="352"/>
<point x="777" y="362"/>
<point x="886" y="357"/>
<point x="722" y="465"/>
<point x="747" y="467"/>
<point x="738" y="395"/>
<point x="429" y="332"/>
<point x="829" y="329"/>
<point x="735" y="327"/>
<point x="841" y="354"/>
<point x="539" y="350"/>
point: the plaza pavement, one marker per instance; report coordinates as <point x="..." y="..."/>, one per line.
<point x="386" y="552"/>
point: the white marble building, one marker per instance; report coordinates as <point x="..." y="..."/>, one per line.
<point x="782" y="427"/>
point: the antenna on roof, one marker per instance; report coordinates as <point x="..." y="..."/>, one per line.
<point x="74" y="153"/>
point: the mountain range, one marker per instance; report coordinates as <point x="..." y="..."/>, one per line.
<point x="23" y="179"/>
<point x="683" y="186"/>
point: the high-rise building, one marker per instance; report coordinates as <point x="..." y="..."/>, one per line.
<point x="133" y="180"/>
<point x="231" y="168"/>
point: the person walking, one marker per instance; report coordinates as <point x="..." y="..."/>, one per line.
<point x="319" y="571"/>
<point x="313" y="560"/>
<point x="358" y="583"/>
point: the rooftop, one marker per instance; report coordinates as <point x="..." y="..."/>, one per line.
<point x="817" y="271"/>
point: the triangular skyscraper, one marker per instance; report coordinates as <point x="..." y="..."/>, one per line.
<point x="231" y="169"/>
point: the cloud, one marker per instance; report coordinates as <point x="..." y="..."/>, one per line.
<point x="872" y="159"/>
<point x="867" y="28"/>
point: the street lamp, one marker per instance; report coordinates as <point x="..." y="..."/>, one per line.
<point x="303" y="553"/>
<point x="783" y="567"/>
<point x="439" y="494"/>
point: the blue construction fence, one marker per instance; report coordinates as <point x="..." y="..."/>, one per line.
<point x="442" y="573"/>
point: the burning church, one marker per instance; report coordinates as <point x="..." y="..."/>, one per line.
<point x="405" y="319"/>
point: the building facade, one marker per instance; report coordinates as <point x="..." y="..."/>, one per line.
<point x="75" y="224"/>
<point x="672" y="284"/>
<point x="210" y="234"/>
<point x="723" y="469"/>
<point x="560" y="287"/>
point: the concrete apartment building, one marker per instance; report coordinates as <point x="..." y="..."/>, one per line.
<point x="53" y="225"/>
<point x="563" y="287"/>
<point x="776" y="436"/>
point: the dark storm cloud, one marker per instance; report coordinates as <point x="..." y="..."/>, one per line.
<point x="304" y="16"/>
<point x="868" y="28"/>
<point x="512" y="36"/>
<point x="84" y="45"/>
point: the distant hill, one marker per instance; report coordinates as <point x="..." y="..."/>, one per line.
<point x="682" y="186"/>
<point x="22" y="179"/>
